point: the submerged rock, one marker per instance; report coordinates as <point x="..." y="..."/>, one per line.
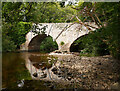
<point x="54" y="69"/>
<point x="43" y="76"/>
<point x="35" y="74"/>
<point x="85" y="72"/>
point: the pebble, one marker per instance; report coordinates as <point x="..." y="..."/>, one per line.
<point x="35" y="75"/>
<point x="88" y="72"/>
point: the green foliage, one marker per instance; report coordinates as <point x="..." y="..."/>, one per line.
<point x="48" y="45"/>
<point x="91" y="45"/>
<point x="18" y="17"/>
<point x="112" y="38"/>
<point x="51" y="12"/>
<point x="16" y="34"/>
<point x="62" y="43"/>
<point x="14" y="27"/>
<point x="107" y="10"/>
<point x="106" y="39"/>
<point x="110" y="34"/>
<point x="101" y="42"/>
<point x="7" y="44"/>
<point x="20" y="32"/>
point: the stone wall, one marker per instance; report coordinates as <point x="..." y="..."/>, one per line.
<point x="64" y="41"/>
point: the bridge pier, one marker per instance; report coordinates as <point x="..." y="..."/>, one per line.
<point x="64" y="48"/>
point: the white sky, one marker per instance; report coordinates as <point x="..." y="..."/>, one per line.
<point x="73" y="1"/>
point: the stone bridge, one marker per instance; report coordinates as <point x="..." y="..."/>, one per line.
<point x="65" y="33"/>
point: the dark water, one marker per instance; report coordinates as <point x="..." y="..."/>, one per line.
<point x="14" y="70"/>
<point x="29" y="70"/>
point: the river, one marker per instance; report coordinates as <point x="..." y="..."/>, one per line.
<point x="36" y="71"/>
<point x="31" y="70"/>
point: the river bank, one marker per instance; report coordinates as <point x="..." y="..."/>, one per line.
<point x="59" y="72"/>
<point x="90" y="72"/>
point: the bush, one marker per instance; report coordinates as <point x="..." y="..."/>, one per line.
<point x="91" y="45"/>
<point x="62" y="43"/>
<point x="103" y="41"/>
<point x="48" y="45"/>
<point x="7" y="44"/>
<point x="112" y="37"/>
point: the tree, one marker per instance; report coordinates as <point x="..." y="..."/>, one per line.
<point x="18" y="18"/>
<point x="14" y="27"/>
<point x="106" y="16"/>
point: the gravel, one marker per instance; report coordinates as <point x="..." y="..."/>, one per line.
<point x="101" y="72"/>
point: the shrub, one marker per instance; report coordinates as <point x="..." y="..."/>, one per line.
<point x="7" y="44"/>
<point x="62" y="43"/>
<point x="48" y="45"/>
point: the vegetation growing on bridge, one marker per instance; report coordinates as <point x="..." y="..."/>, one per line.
<point x="17" y="18"/>
<point x="62" y="43"/>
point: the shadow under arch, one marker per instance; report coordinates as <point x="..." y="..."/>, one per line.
<point x="36" y="41"/>
<point x="75" y="46"/>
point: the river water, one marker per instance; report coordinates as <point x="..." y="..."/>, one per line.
<point x="62" y="72"/>
<point x="30" y="70"/>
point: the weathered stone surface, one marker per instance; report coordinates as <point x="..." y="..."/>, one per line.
<point x="92" y="72"/>
<point x="101" y="72"/>
<point x="54" y="29"/>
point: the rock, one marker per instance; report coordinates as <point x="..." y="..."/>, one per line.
<point x="54" y="69"/>
<point x="110" y="77"/>
<point x="64" y="51"/>
<point x="43" y="68"/>
<point x="116" y="86"/>
<point x="69" y="78"/>
<point x="86" y="72"/>
<point x="59" y="76"/>
<point x="44" y="62"/>
<point x="52" y="86"/>
<point x="55" y="72"/>
<point x="35" y="74"/>
<point x="69" y="74"/>
<point x="43" y="76"/>
<point x="99" y="64"/>
<point x="57" y="51"/>
<point x="59" y="73"/>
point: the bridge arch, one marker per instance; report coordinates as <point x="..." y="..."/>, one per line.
<point x="37" y="41"/>
<point x="60" y="32"/>
<point x="33" y="41"/>
<point x="75" y="47"/>
<point x="42" y="42"/>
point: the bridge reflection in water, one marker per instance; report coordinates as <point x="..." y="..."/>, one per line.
<point x="43" y="67"/>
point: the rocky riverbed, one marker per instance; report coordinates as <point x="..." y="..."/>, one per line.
<point x="60" y="72"/>
<point x="101" y="72"/>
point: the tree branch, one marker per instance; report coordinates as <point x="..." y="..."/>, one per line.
<point x="83" y="23"/>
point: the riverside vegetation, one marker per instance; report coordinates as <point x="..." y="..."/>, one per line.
<point x="81" y="72"/>
<point x="17" y="19"/>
